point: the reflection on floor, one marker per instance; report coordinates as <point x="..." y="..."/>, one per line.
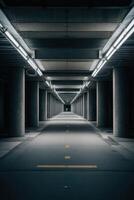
<point x="69" y="159"/>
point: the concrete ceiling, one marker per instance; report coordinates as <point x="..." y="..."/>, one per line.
<point x="67" y="40"/>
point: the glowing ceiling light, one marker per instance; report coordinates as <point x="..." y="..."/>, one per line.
<point x="110" y="55"/>
<point x="32" y="64"/>
<point x="109" y="51"/>
<point x="127" y="32"/>
<point x="76" y="96"/>
<point x="58" y="96"/>
<point x="98" y="68"/>
<point x="1" y="26"/>
<point x="47" y="83"/>
<point x="87" y="84"/>
<point x="125" y="38"/>
<point x="23" y="51"/>
<point x="26" y="58"/>
<point x="39" y="72"/>
<point x="12" y="39"/>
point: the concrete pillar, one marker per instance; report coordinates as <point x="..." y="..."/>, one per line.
<point x="83" y="109"/>
<point x="16" y="103"/>
<point x="92" y="105"/>
<point x="33" y="103"/>
<point x="104" y="104"/>
<point x="120" y="102"/>
<point x="85" y="105"/>
<point x="42" y="104"/>
<point x="2" y="106"/>
<point x="48" y="105"/>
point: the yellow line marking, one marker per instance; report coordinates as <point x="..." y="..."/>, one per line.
<point x="67" y="146"/>
<point x="68" y="166"/>
<point x="67" y="157"/>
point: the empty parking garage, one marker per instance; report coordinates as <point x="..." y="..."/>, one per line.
<point x="66" y="100"/>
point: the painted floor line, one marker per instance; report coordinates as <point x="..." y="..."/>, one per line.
<point x="67" y="146"/>
<point x="68" y="166"/>
<point x="67" y="157"/>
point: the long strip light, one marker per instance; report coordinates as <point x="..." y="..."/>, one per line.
<point x="39" y="72"/>
<point x="76" y="96"/>
<point x="59" y="96"/>
<point x="12" y="39"/>
<point x="47" y="83"/>
<point x="20" y="49"/>
<point x="1" y="26"/>
<point x="25" y="55"/>
<point x="32" y="64"/>
<point x="87" y="84"/>
<point x="126" y="33"/>
<point x="81" y="89"/>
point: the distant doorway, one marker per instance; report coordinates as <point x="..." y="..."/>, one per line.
<point x="67" y="108"/>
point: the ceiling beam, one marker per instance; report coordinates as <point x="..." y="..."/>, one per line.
<point x="70" y="53"/>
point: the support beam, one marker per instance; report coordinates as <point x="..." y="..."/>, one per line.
<point x="2" y="106"/>
<point x="85" y="105"/>
<point x="42" y="105"/>
<point x="120" y="102"/>
<point x="33" y="103"/>
<point x="16" y="115"/>
<point x="91" y="105"/>
<point x="104" y="103"/>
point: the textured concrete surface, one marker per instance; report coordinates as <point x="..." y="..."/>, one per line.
<point x="41" y="168"/>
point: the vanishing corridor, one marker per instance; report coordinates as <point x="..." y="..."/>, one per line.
<point x="67" y="100"/>
<point x="69" y="159"/>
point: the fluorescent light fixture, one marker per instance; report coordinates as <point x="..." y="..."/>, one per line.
<point x="127" y="32"/>
<point x="100" y="63"/>
<point x="1" y="26"/>
<point x="59" y="96"/>
<point x="99" y="67"/>
<point x="40" y="65"/>
<point x="23" y="51"/>
<point x="67" y="92"/>
<point x="76" y="96"/>
<point x="110" y="55"/>
<point x="109" y="51"/>
<point x="83" y="86"/>
<point x="129" y="26"/>
<point x="125" y="38"/>
<point x="32" y="64"/>
<point x="39" y="72"/>
<point x="17" y="45"/>
<point x="12" y="39"/>
<point x="47" y="83"/>
<point x="87" y="84"/>
<point x="26" y="58"/>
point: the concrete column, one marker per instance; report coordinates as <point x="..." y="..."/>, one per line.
<point x="48" y="105"/>
<point x="33" y="103"/>
<point x="82" y="105"/>
<point x="16" y="103"/>
<point x="92" y="105"/>
<point x="85" y="105"/>
<point x="104" y="104"/>
<point x="42" y="104"/>
<point x="2" y="106"/>
<point x="83" y="109"/>
<point x="120" y="102"/>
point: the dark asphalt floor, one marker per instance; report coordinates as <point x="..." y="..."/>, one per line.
<point x="68" y="160"/>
